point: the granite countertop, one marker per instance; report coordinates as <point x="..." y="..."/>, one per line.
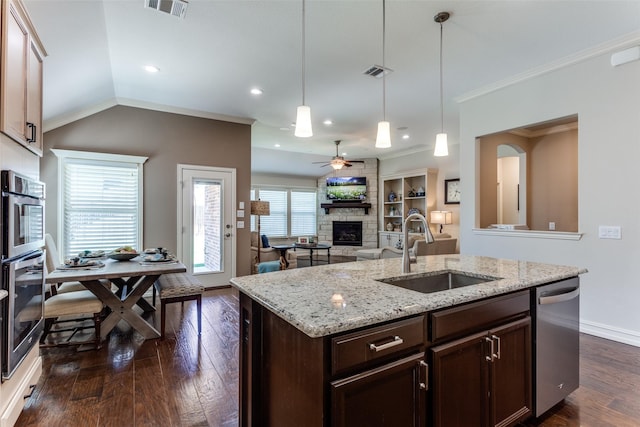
<point x="329" y="299"/>
<point x="3" y="294"/>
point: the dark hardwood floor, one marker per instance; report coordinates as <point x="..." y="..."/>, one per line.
<point x="188" y="380"/>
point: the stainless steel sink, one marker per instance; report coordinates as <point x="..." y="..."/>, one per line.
<point x="437" y="282"/>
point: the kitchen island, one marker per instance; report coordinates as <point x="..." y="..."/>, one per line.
<point x="321" y="344"/>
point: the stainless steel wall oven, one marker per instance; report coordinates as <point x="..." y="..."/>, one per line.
<point x="22" y="276"/>
<point x="22" y="214"/>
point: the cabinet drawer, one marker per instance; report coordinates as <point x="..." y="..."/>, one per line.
<point x="359" y="348"/>
<point x="476" y="316"/>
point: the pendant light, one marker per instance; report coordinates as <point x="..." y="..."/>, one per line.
<point x="383" y="139"/>
<point x="303" y="116"/>
<point x="442" y="148"/>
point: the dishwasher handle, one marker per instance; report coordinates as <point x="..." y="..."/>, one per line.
<point x="554" y="299"/>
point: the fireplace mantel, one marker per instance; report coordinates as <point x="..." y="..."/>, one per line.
<point x="344" y="205"/>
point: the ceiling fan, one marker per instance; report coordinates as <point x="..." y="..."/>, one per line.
<point x="338" y="162"/>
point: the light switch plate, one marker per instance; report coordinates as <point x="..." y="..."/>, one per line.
<point x="240" y="224"/>
<point x="240" y="214"/>
<point x="609" y="232"/>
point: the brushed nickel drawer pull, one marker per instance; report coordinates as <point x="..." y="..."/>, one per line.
<point x="497" y="353"/>
<point x="425" y="384"/>
<point x="396" y="341"/>
<point x="491" y="355"/>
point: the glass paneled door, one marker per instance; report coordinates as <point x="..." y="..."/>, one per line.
<point x="206" y="233"/>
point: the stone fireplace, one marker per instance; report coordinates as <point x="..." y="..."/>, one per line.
<point x="346" y="213"/>
<point x="347" y="233"/>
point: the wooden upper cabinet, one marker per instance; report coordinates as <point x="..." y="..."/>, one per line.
<point x="21" y="78"/>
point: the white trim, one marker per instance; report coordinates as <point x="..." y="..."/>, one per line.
<point x="64" y="155"/>
<point x="532" y="234"/>
<point x="231" y="220"/>
<point x="625" y="336"/>
<point x="108" y="157"/>
<point x="625" y="41"/>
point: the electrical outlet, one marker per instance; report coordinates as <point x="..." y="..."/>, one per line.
<point x="552" y="226"/>
<point x="609" y="232"/>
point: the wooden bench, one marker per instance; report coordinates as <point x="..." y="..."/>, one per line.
<point x="178" y="287"/>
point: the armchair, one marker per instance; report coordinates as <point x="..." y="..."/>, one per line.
<point x="417" y="247"/>
<point x="268" y="254"/>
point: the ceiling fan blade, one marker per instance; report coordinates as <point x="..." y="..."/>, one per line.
<point x="355" y="161"/>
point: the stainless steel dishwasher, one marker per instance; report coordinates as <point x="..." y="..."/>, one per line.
<point x="556" y="342"/>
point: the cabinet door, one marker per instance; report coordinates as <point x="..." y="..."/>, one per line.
<point x="389" y="396"/>
<point x="460" y="382"/>
<point x="511" y="373"/>
<point x="13" y="74"/>
<point x="34" y="100"/>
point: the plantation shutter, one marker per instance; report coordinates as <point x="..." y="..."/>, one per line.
<point x="303" y="213"/>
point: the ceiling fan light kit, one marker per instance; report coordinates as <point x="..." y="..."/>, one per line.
<point x="303" y="116"/>
<point x="337" y="162"/>
<point x="441" y="148"/>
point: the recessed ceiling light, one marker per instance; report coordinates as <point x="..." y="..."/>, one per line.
<point x="328" y="122"/>
<point x="151" y="68"/>
<point x="256" y="91"/>
<point x="285" y="129"/>
<point x="405" y="136"/>
<point x="276" y="145"/>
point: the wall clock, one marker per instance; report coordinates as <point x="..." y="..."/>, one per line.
<point x="452" y="191"/>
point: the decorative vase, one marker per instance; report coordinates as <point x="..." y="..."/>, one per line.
<point x="392" y="196"/>
<point x="389" y="227"/>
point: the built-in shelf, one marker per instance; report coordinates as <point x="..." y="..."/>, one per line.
<point x="344" y="205"/>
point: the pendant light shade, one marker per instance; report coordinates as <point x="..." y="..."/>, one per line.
<point x="442" y="148"/>
<point x="303" y="122"/>
<point x="303" y="116"/>
<point x="383" y="140"/>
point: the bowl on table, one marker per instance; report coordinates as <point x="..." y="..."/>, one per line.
<point x="122" y="256"/>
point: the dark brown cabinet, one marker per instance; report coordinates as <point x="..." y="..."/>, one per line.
<point x="468" y="365"/>
<point x="392" y="395"/>
<point x="375" y="377"/>
<point x="484" y="379"/>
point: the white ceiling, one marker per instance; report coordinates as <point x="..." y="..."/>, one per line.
<point x="211" y="59"/>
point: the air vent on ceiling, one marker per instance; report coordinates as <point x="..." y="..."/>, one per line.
<point x="377" y="71"/>
<point x="177" y="8"/>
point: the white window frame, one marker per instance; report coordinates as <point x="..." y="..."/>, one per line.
<point x="66" y="155"/>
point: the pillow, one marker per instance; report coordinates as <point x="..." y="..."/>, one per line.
<point x="265" y="241"/>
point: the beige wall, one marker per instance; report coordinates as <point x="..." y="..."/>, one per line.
<point x="552" y="179"/>
<point x="553" y="185"/>
<point x="167" y="139"/>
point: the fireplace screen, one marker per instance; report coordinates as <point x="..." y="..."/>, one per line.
<point x="347" y="233"/>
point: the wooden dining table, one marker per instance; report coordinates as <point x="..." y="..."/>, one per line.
<point x="133" y="278"/>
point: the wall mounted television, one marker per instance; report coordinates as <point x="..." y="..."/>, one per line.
<point x="346" y="188"/>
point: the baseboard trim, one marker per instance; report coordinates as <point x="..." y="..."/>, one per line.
<point x="625" y="336"/>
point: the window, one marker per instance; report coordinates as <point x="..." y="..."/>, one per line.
<point x="99" y="201"/>
<point x="292" y="212"/>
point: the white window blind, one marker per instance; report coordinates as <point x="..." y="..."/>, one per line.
<point x="275" y="224"/>
<point x="303" y="213"/>
<point x="101" y="203"/>
<point x="293" y="212"/>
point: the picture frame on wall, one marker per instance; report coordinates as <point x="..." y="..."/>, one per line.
<point x="452" y="191"/>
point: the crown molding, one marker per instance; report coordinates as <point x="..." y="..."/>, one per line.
<point x="624" y="42"/>
<point x="65" y="119"/>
